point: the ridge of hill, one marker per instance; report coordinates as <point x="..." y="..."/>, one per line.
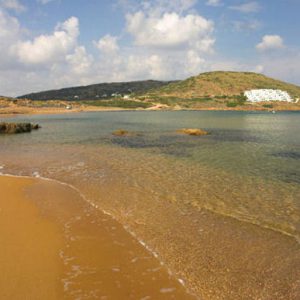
<point x="210" y="84"/>
<point x="218" y="90"/>
<point x="96" y="91"/>
<point x="221" y="83"/>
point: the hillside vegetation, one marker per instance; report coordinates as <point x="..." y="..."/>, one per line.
<point x="97" y="91"/>
<point x="208" y="91"/>
<point x="221" y="84"/>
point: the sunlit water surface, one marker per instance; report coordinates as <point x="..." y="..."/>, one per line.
<point x="160" y="184"/>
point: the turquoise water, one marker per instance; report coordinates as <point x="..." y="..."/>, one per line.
<point x="246" y="153"/>
<point x="258" y="144"/>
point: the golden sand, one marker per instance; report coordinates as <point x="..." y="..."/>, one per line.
<point x="29" y="262"/>
<point x="56" y="246"/>
<point x="10" y="108"/>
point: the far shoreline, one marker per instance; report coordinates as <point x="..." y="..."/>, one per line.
<point x="10" y="113"/>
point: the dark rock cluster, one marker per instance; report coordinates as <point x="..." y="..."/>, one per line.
<point x="12" y="128"/>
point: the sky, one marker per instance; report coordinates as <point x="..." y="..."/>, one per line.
<point x="50" y="44"/>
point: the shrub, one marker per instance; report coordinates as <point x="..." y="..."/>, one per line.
<point x="203" y="99"/>
<point x="231" y="104"/>
<point x="118" y="103"/>
<point x="241" y="99"/>
<point x="268" y="105"/>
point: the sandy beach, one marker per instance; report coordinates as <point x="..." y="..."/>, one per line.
<point x="27" y="107"/>
<point x="14" y="111"/>
<point x="55" y="246"/>
<point x="30" y="266"/>
<point x="149" y="150"/>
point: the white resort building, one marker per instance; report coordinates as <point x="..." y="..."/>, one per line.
<point x="267" y="95"/>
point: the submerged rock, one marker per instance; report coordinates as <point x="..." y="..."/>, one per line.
<point x="192" y="131"/>
<point x="121" y="132"/>
<point x="12" y="128"/>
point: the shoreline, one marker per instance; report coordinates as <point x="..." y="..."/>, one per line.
<point x="28" y="111"/>
<point x="233" y="236"/>
<point x="28" y="107"/>
<point x="53" y="111"/>
<point x="64" y="265"/>
<point x="255" y="263"/>
<point x="296" y="238"/>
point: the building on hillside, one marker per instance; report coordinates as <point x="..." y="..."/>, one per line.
<point x="262" y="95"/>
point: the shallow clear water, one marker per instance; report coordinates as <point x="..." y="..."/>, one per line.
<point x="248" y="168"/>
<point x="239" y="141"/>
<point x="252" y="148"/>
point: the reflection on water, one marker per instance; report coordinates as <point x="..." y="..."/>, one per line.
<point x="246" y="169"/>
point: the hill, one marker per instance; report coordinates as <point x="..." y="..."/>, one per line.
<point x="208" y="91"/>
<point x="222" y="84"/>
<point x="97" y="91"/>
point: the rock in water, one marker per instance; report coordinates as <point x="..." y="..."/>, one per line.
<point x="121" y="132"/>
<point x="192" y="131"/>
<point x="12" y="128"/>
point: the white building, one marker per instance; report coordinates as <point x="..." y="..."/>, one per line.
<point x="267" y="95"/>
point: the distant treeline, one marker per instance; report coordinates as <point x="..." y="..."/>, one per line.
<point x="97" y="91"/>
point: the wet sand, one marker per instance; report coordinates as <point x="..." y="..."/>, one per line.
<point x="54" y="245"/>
<point x="29" y="262"/>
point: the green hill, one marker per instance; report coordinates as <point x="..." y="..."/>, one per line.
<point x="220" y="84"/>
<point x="212" y="90"/>
<point x="96" y="91"/>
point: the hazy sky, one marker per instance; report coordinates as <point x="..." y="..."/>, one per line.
<point x="46" y="44"/>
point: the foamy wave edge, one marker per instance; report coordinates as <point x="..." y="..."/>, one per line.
<point x="126" y="228"/>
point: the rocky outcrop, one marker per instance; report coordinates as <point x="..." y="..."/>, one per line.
<point x="12" y="128"/>
<point x="192" y="131"/>
<point x="121" y="132"/>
